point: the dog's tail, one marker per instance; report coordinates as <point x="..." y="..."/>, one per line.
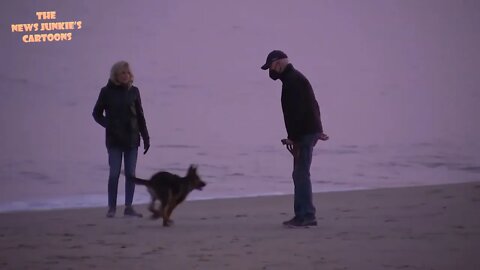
<point x="142" y="182"/>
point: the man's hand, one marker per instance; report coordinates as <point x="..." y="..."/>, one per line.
<point x="323" y="137"/>
<point x="146" y="146"/>
<point x="287" y="142"/>
<point x="290" y="146"/>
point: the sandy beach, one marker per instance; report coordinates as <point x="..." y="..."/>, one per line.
<point x="396" y="81"/>
<point x="430" y="227"/>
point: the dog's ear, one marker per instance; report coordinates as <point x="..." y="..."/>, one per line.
<point x="192" y="169"/>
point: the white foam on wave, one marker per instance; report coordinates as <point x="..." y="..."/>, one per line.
<point x="100" y="200"/>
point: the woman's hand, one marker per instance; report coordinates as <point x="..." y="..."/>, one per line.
<point x="146" y="146"/>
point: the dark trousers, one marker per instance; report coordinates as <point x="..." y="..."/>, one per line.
<point x="303" y="204"/>
<point x="115" y="163"/>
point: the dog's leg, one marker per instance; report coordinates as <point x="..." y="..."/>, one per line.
<point x="166" y="220"/>
<point x="155" y="212"/>
<point x="166" y="209"/>
<point x="169" y="212"/>
<point x="151" y="207"/>
<point x="165" y="215"/>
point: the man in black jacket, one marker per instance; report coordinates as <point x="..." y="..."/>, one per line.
<point x="124" y="122"/>
<point x="304" y="128"/>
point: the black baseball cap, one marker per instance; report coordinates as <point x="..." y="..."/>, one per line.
<point x="273" y="56"/>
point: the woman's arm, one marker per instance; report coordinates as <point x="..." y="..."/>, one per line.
<point x="141" y="119"/>
<point x="99" y="108"/>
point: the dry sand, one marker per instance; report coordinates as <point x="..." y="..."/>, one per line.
<point x="432" y="227"/>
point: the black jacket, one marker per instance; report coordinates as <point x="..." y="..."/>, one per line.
<point x="300" y="108"/>
<point x="123" y="120"/>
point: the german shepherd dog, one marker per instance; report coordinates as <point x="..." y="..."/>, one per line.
<point x="170" y="190"/>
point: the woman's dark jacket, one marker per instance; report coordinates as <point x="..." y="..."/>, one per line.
<point x="124" y="120"/>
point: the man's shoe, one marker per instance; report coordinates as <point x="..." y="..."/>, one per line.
<point x="309" y="222"/>
<point x="129" y="212"/>
<point x="301" y="223"/>
<point x="111" y="212"/>
<point x="292" y="220"/>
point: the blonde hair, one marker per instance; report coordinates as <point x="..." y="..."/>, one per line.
<point x="117" y="68"/>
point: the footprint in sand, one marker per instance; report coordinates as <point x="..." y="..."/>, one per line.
<point x="344" y="210"/>
<point x="52" y="262"/>
<point x="69" y="258"/>
<point x="25" y="246"/>
<point x="67" y="237"/>
<point x="204" y="218"/>
<point x="119" y="233"/>
<point x="207" y="249"/>
<point x="201" y="257"/>
<point x="87" y="225"/>
<point x="413" y="206"/>
<point x="377" y="237"/>
<point x="435" y="191"/>
<point x="322" y="260"/>
<point x="153" y="251"/>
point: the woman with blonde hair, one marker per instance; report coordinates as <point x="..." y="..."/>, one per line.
<point x="124" y="123"/>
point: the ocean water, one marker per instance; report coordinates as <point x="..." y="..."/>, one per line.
<point x="247" y="172"/>
<point x="396" y="81"/>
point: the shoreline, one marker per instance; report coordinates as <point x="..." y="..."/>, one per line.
<point x="81" y="201"/>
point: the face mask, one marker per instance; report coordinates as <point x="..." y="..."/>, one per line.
<point x="273" y="74"/>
